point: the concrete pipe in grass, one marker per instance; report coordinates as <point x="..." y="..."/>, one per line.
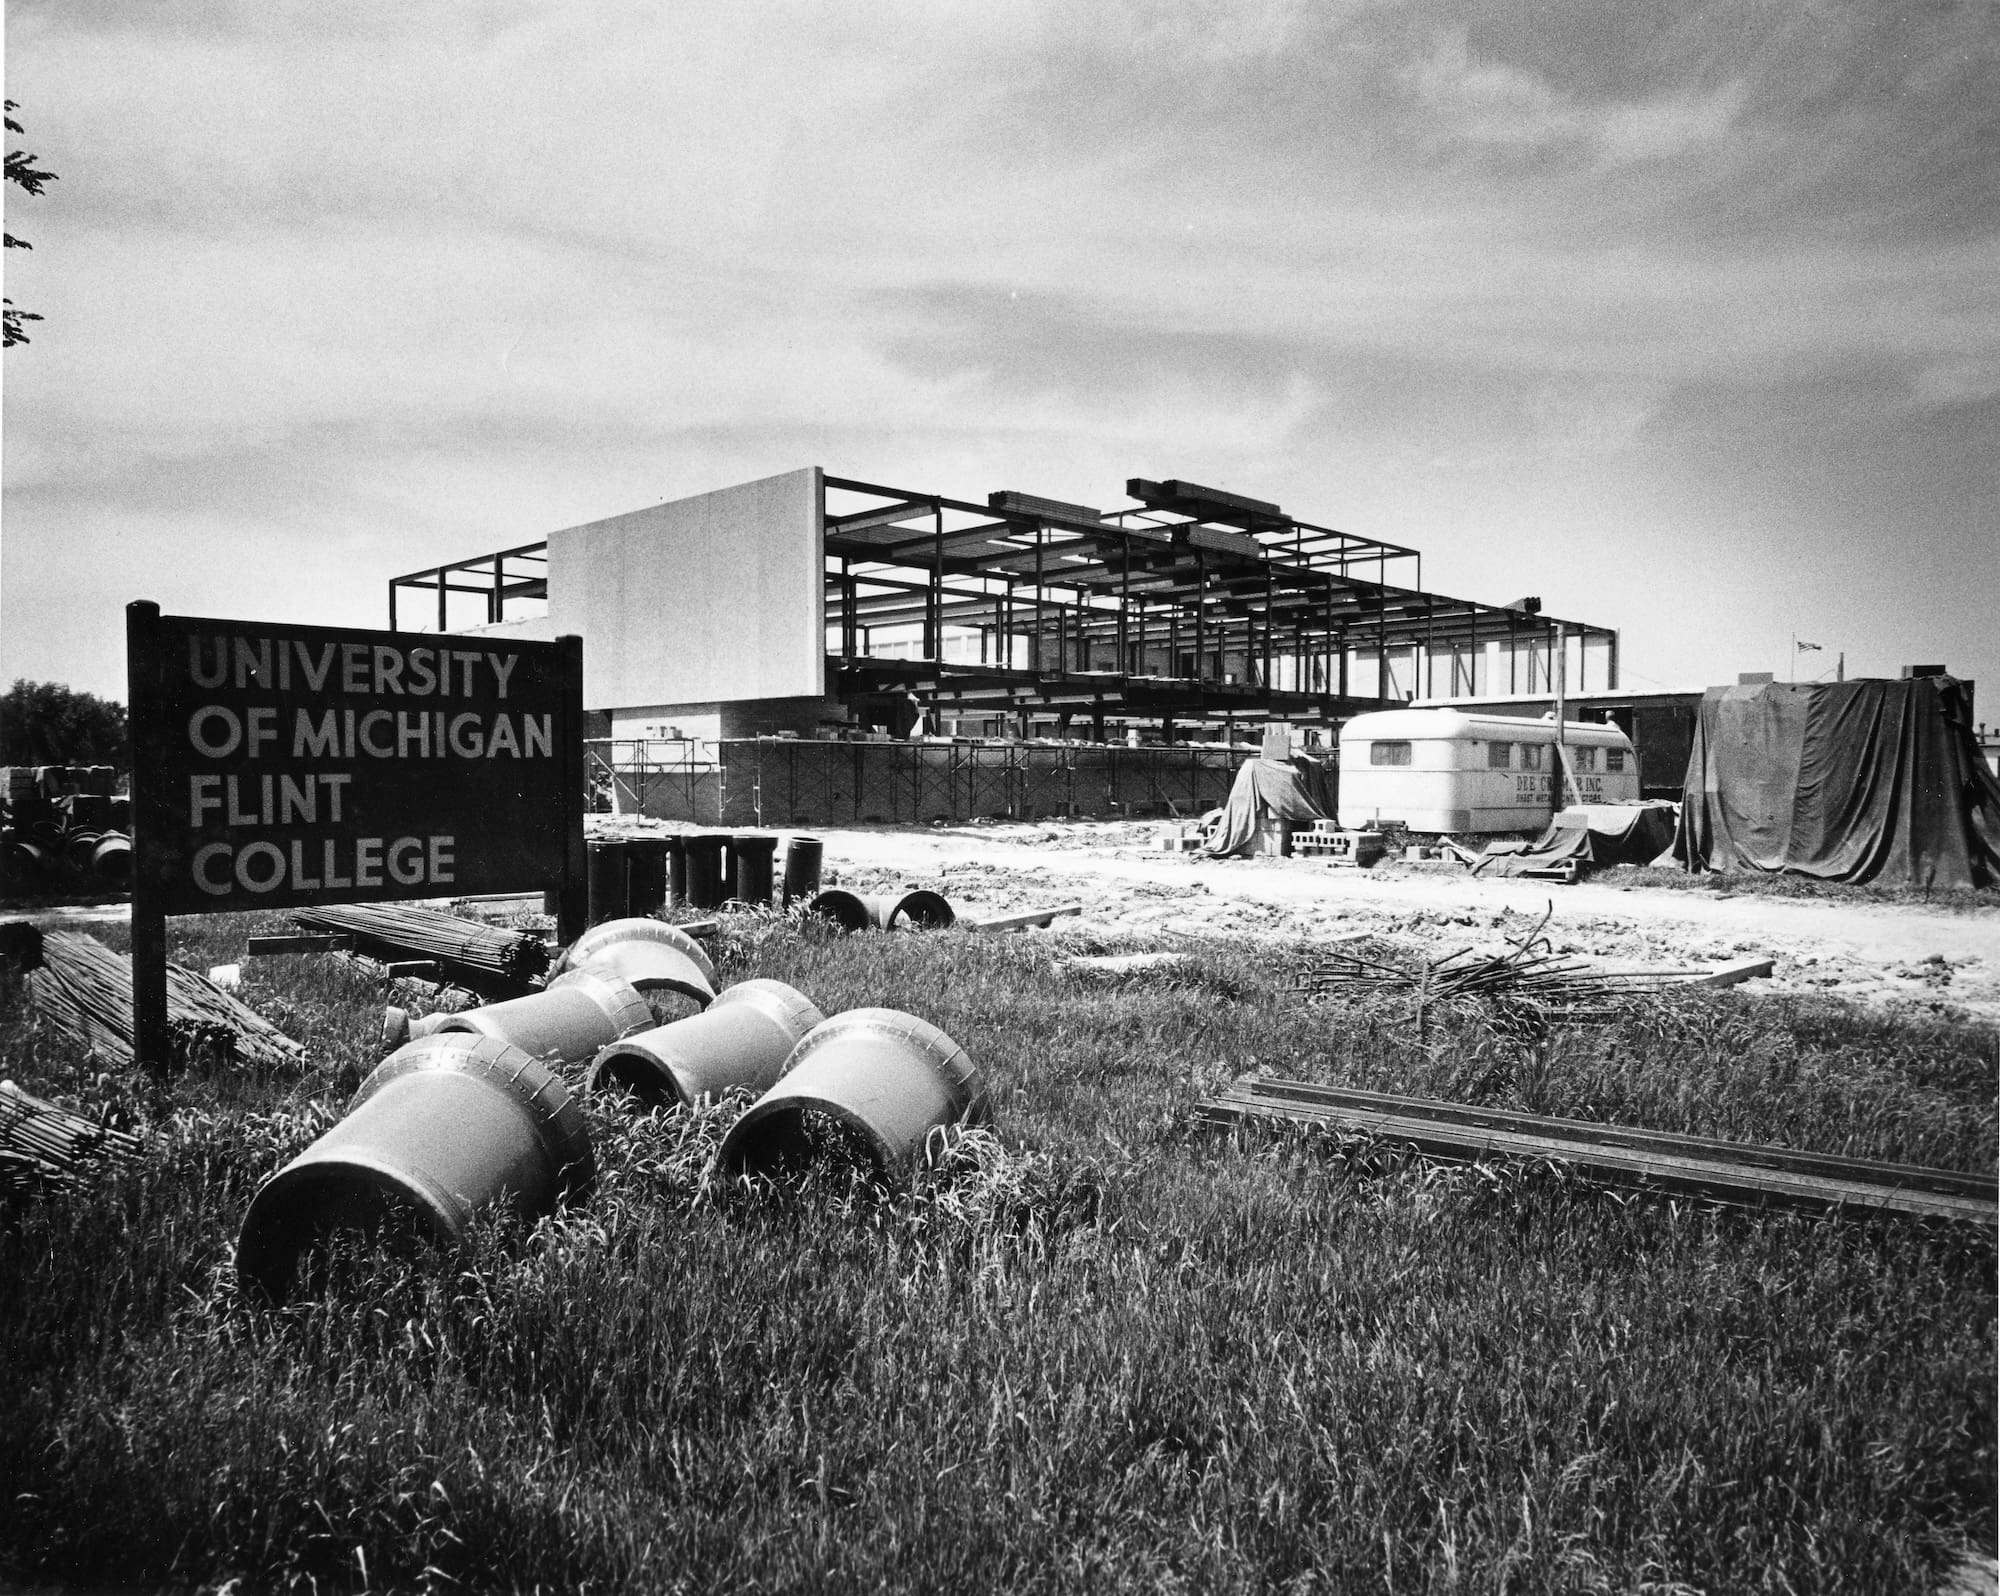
<point x="918" y="910"/>
<point x="648" y="954"/>
<point x="573" y="1017"/>
<point x="742" y="1039"/>
<point x="444" y="1127"/>
<point x="677" y="869"/>
<point x="802" y="861"/>
<point x="645" y="875"/>
<point x="608" y="892"/>
<point x="702" y="852"/>
<point x="883" y="1081"/>
<point x="750" y="865"/>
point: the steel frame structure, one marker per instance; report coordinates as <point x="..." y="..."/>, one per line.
<point x="1175" y="593"/>
<point x="1196" y="607"/>
<point x="509" y="574"/>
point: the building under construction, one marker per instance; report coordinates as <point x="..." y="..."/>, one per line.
<point x="812" y="605"/>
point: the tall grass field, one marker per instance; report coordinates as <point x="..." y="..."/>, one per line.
<point x="1096" y="1348"/>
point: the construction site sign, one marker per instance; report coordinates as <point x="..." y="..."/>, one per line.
<point x="279" y="766"/>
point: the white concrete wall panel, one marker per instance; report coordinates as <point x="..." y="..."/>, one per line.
<point x="716" y="597"/>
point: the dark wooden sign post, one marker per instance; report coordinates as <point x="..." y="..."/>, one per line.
<point x="279" y="766"/>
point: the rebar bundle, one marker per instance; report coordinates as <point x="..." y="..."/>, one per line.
<point x="85" y="989"/>
<point x="42" y="1145"/>
<point x="484" y="957"/>
<point x="1531" y="972"/>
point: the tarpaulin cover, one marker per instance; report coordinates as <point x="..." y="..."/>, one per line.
<point x="1590" y="834"/>
<point x="1294" y="789"/>
<point x="1846" y="781"/>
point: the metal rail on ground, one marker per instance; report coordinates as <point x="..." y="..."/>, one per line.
<point x="1741" y="1173"/>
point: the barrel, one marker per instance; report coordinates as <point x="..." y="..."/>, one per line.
<point x="750" y="857"/>
<point x="802" y="858"/>
<point x="703" y="850"/>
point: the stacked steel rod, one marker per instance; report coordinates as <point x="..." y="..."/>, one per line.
<point x="84" y="988"/>
<point x="42" y="1145"/>
<point x="483" y="957"/>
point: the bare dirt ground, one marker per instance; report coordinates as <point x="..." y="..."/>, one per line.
<point x="1942" y="961"/>
<point x="1938" y="960"/>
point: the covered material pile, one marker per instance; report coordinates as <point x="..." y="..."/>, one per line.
<point x="486" y="959"/>
<point x="1844" y="781"/>
<point x="1296" y="789"/>
<point x="86" y="990"/>
<point x="1584" y="836"/>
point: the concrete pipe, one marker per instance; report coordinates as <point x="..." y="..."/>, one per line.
<point x="742" y="1039"/>
<point x="920" y="910"/>
<point x="887" y="1078"/>
<point x="568" y="1021"/>
<point x="802" y="861"/>
<point x="677" y="870"/>
<point x="111" y="859"/>
<point x="645" y="875"/>
<point x="703" y="851"/>
<point x="750" y="857"/>
<point x="445" y="1127"/>
<point x="649" y="955"/>
<point x="847" y="910"/>
<point x="606" y="880"/>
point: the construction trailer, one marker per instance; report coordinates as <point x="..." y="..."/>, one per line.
<point x="1445" y="771"/>
<point x="1660" y="725"/>
<point x="813" y="606"/>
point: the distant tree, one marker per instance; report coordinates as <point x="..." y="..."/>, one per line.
<point x="45" y="723"/>
<point x="21" y="169"/>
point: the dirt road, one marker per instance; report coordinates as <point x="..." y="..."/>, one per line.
<point x="1871" y="952"/>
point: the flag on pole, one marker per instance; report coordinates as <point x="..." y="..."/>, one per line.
<point x="1803" y="645"/>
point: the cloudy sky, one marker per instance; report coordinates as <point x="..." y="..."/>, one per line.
<point x="1685" y="317"/>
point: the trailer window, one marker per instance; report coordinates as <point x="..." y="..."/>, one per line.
<point x="1614" y="759"/>
<point x="1531" y="756"/>
<point x="1499" y="756"/>
<point x="1584" y="758"/>
<point x="1388" y="753"/>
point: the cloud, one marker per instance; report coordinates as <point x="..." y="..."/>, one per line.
<point x="334" y="291"/>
